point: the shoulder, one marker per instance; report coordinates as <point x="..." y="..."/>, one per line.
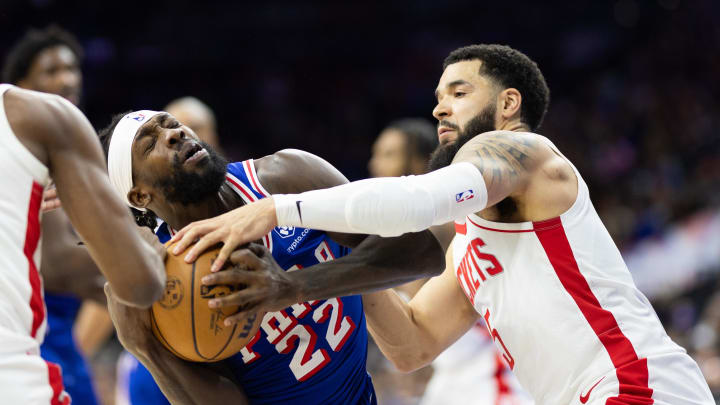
<point x="295" y="171"/>
<point x="44" y="118"/>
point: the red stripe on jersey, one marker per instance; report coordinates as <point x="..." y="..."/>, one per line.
<point x="32" y="237"/>
<point x="59" y="396"/>
<point x="249" y="196"/>
<point x="461" y="228"/>
<point x="632" y="372"/>
<point x="251" y="175"/>
<point x="501" y="230"/>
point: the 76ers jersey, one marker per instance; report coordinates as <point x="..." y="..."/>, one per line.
<point x="309" y="353"/>
<point x="564" y="312"/>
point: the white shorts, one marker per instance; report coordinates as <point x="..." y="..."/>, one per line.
<point x="29" y="380"/>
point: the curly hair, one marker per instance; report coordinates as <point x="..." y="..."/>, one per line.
<point x="142" y="218"/>
<point x="510" y="68"/>
<point x="21" y="56"/>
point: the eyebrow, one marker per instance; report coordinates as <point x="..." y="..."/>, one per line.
<point x="453" y="84"/>
<point x="147" y="129"/>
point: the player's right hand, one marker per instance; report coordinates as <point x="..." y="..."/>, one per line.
<point x="241" y="225"/>
<point x="267" y="287"/>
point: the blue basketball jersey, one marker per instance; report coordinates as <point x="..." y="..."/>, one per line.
<point x="59" y="347"/>
<point x="309" y="353"/>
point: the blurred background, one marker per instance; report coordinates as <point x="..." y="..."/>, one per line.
<point x="634" y="102"/>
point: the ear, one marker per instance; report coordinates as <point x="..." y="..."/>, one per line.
<point x="139" y="197"/>
<point x="509" y="103"/>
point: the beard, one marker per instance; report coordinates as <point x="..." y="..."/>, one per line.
<point x="189" y="188"/>
<point x="443" y="155"/>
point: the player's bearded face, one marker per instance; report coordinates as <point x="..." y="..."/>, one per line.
<point x="483" y="122"/>
<point x="191" y="187"/>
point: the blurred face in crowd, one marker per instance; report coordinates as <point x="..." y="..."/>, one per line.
<point x="171" y="165"/>
<point x="466" y="107"/>
<point x="389" y="154"/>
<point x="55" y="70"/>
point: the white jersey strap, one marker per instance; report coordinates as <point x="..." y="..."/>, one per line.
<point x="388" y="206"/>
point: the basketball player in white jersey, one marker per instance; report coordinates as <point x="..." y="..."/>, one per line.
<point x="44" y="136"/>
<point x="530" y="255"/>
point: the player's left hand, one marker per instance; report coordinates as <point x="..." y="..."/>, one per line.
<point x="234" y="228"/>
<point x="50" y="200"/>
<point x="267" y="286"/>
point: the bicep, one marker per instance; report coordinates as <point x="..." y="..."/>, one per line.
<point x="441" y="308"/>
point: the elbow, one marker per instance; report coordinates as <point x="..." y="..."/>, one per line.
<point x="143" y="294"/>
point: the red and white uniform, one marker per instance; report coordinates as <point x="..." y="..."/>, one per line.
<point x="565" y="314"/>
<point x="472" y="372"/>
<point x="25" y="378"/>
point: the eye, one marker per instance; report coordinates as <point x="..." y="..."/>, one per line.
<point x="150" y="144"/>
<point x="458" y="94"/>
<point x="175" y="124"/>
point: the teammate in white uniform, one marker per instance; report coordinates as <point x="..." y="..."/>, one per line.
<point x="530" y="256"/>
<point x="45" y="136"/>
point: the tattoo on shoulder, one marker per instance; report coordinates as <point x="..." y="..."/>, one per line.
<point x="502" y="156"/>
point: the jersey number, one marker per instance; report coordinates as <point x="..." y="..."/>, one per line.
<point x="496" y="337"/>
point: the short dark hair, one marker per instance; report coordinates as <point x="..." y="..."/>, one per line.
<point x="510" y="68"/>
<point x="142" y="218"/>
<point x="21" y="56"/>
<point x="421" y="135"/>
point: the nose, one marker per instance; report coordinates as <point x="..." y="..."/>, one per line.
<point x="69" y="78"/>
<point x="441" y="110"/>
<point x="174" y="137"/>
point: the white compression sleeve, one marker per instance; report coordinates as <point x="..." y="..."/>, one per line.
<point x="388" y="206"/>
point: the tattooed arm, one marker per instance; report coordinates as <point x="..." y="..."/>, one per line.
<point x="488" y="169"/>
<point x="523" y="167"/>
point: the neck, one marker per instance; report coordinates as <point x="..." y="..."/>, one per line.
<point x="514" y="125"/>
<point x="178" y="215"/>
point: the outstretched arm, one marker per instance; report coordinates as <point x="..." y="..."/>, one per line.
<point x="488" y="169"/>
<point x="58" y="134"/>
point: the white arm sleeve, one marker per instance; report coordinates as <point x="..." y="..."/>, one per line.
<point x="387" y="206"/>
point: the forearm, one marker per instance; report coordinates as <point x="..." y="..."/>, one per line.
<point x="392" y="325"/>
<point x="188" y="383"/>
<point x="387" y="206"/>
<point x="377" y="263"/>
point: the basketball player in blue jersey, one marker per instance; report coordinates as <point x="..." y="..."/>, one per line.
<point x="308" y="353"/>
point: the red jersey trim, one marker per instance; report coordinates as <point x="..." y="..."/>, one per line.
<point x="500" y="230"/>
<point x="632" y="372"/>
<point x="32" y="238"/>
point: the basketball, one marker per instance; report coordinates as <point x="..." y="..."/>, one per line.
<point x="184" y="323"/>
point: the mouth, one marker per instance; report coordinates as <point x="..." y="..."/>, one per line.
<point x="192" y="153"/>
<point x="444" y="134"/>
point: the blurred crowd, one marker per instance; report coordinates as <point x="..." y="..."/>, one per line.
<point x="634" y="105"/>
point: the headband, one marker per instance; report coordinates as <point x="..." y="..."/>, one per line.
<point x="120" y="152"/>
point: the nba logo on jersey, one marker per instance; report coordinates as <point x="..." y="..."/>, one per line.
<point x="285" y="231"/>
<point x="464" y="196"/>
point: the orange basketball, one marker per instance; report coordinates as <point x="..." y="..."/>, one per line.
<point x="186" y="325"/>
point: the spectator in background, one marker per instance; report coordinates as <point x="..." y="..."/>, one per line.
<point x="48" y="60"/>
<point x="198" y="116"/>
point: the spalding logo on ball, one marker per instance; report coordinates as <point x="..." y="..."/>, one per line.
<point x="186" y="325"/>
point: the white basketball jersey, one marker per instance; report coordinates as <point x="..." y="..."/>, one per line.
<point x="565" y="314"/>
<point x="24" y="177"/>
